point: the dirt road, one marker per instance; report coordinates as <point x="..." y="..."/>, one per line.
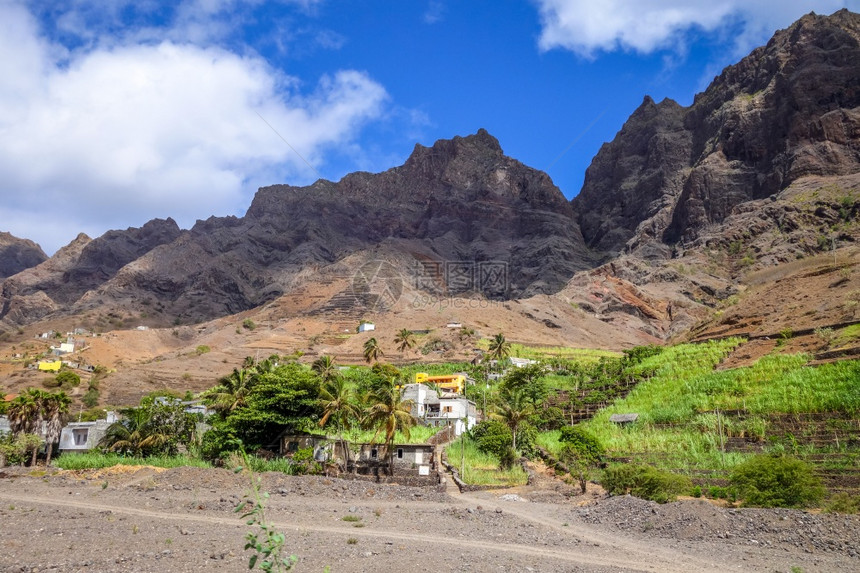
<point x="182" y="520"/>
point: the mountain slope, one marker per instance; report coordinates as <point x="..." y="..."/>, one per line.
<point x="762" y="169"/>
<point x="788" y="110"/>
<point x="17" y="255"/>
<point x="450" y="213"/>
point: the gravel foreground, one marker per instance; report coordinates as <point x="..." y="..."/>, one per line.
<point x="128" y="519"/>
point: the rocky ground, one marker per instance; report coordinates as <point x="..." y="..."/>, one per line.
<point x="177" y="520"/>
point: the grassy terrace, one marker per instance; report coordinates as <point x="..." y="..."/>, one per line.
<point x="482" y="468"/>
<point x="687" y="409"/>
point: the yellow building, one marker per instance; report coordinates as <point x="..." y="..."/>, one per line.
<point x="50" y="366"/>
<point x="447" y="383"/>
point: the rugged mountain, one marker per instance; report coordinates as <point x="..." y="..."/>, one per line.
<point x="458" y="217"/>
<point x="788" y="110"/>
<point x="18" y="254"/>
<point x="761" y="170"/>
<point x="84" y="264"/>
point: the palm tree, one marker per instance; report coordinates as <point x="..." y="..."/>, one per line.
<point x="326" y="368"/>
<point x="231" y="391"/>
<point x="389" y="413"/>
<point x="133" y="434"/>
<point x="513" y="412"/>
<point x="55" y="406"/>
<point x="40" y="399"/>
<point x="372" y="351"/>
<point x="336" y="401"/>
<point x="27" y="412"/>
<point x="404" y="339"/>
<point x="22" y="414"/>
<point x="499" y="348"/>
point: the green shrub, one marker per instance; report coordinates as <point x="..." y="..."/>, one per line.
<point x="581" y="452"/>
<point x="217" y="442"/>
<point x="582" y="441"/>
<point x="551" y="418"/>
<point x="645" y="482"/>
<point x="777" y="481"/>
<point x="303" y="462"/>
<point x="492" y="437"/>
<point x="843" y="503"/>
<point x="717" y="492"/>
<point x="202" y="349"/>
<point x="68" y="380"/>
<point x="90" y="398"/>
<point x="507" y="458"/>
<point x="248" y="324"/>
<point x="527" y="436"/>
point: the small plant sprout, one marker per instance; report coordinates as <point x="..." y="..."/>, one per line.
<point x="264" y="540"/>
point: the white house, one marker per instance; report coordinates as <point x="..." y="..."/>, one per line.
<point x="452" y="410"/>
<point x="521" y="362"/>
<point x="84" y="436"/>
<point x="366" y="327"/>
<point x="440" y="411"/>
<point x="64" y="348"/>
<point x="422" y="397"/>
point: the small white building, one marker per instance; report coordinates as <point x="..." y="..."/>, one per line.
<point x="521" y="362"/>
<point x="452" y="410"/>
<point x="422" y="397"/>
<point x="449" y="409"/>
<point x="64" y="348"/>
<point x="366" y="327"/>
<point x="84" y="436"/>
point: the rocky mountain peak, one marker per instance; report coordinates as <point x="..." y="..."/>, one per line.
<point x="479" y="145"/>
<point x="18" y="254"/>
<point x="788" y="110"/>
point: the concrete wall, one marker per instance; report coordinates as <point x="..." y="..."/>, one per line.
<point x="82" y="436"/>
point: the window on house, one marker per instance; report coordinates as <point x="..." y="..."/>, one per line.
<point x="292" y="447"/>
<point x="80" y="437"/>
<point x="399" y="453"/>
<point x="374" y="454"/>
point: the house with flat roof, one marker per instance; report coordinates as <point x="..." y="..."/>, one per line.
<point x="84" y="436"/>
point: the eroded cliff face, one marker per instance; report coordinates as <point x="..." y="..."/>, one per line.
<point x="763" y="168"/>
<point x="460" y="202"/>
<point x="56" y="284"/>
<point x="17" y="255"/>
<point x="790" y="109"/>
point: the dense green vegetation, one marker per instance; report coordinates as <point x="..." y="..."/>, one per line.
<point x="688" y="412"/>
<point x="747" y="433"/>
<point x="682" y="407"/>
<point x="97" y="460"/>
<point x="482" y="468"/>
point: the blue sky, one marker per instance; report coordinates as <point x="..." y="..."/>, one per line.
<point x="113" y="112"/>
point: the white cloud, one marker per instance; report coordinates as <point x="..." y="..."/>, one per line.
<point x="587" y="27"/>
<point x="435" y="12"/>
<point x="115" y="135"/>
